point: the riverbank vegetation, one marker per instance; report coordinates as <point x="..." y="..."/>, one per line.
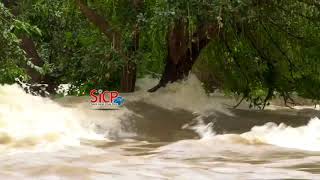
<point x="255" y="49"/>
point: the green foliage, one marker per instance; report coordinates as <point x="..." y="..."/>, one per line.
<point x="11" y="55"/>
<point x="267" y="48"/>
<point x="263" y="48"/>
<point x="74" y="51"/>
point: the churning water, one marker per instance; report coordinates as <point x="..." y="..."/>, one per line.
<point x="176" y="133"/>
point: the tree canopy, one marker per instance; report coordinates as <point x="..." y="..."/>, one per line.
<point x="256" y="49"/>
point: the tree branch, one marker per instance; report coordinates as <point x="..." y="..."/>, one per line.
<point x="103" y="25"/>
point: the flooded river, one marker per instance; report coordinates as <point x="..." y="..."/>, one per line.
<point x="176" y="133"/>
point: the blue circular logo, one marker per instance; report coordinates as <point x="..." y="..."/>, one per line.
<point x="119" y="101"/>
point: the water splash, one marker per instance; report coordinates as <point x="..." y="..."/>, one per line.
<point x="205" y="131"/>
<point x="63" y="89"/>
<point x="304" y="137"/>
<point x="27" y="120"/>
<point x="188" y="95"/>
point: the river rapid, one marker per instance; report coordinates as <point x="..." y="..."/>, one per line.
<point x="176" y="133"/>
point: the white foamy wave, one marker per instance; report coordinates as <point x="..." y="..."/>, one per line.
<point x="188" y="95"/>
<point x="205" y="131"/>
<point x="27" y="120"/>
<point x="303" y="137"/>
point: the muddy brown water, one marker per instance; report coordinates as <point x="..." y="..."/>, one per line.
<point x="147" y="141"/>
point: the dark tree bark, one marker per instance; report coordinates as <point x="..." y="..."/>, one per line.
<point x="128" y="80"/>
<point x="183" y="51"/>
<point x="99" y="21"/>
<point x="6" y="3"/>
<point x="28" y="46"/>
<point x="31" y="52"/>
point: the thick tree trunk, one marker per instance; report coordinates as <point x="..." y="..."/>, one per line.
<point x="128" y="78"/>
<point x="28" y="46"/>
<point x="129" y="71"/>
<point x="183" y="52"/>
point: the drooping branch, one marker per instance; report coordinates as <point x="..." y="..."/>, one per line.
<point x="235" y="59"/>
<point x="291" y="65"/>
<point x="309" y="18"/>
<point x="225" y="41"/>
<point x="283" y="29"/>
<point x="270" y="65"/>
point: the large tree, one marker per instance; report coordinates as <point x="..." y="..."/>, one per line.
<point x="256" y="48"/>
<point x="115" y="36"/>
<point x="26" y="44"/>
<point x="263" y="47"/>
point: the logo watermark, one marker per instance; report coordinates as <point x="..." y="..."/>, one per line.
<point x="101" y="99"/>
